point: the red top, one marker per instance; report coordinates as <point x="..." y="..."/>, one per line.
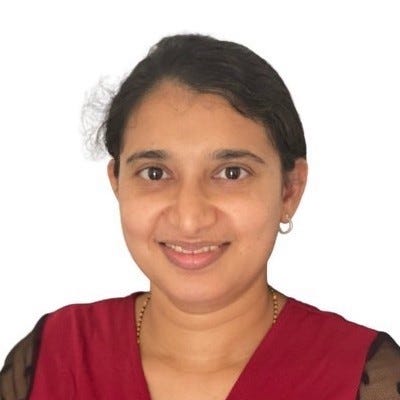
<point x="89" y="351"/>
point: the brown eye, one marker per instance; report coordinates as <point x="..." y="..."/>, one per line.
<point x="152" y="173"/>
<point x="232" y="173"/>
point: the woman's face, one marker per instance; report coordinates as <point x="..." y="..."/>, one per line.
<point x="201" y="195"/>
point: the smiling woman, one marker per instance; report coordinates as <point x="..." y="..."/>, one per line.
<point x="200" y="176"/>
<point x="208" y="161"/>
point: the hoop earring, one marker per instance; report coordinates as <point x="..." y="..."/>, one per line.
<point x="288" y="229"/>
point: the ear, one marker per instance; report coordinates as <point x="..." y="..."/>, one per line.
<point x="112" y="178"/>
<point x="293" y="188"/>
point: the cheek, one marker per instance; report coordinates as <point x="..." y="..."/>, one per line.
<point x="256" y="221"/>
<point x="138" y="222"/>
<point x="136" y="214"/>
<point x="258" y="209"/>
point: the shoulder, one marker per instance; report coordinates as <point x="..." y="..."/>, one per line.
<point x="91" y="307"/>
<point x="58" y="331"/>
<point x="16" y="374"/>
<point x="377" y="352"/>
<point x="81" y="322"/>
<point x="330" y="325"/>
<point x="369" y="357"/>
<point x="85" y="312"/>
<point x="327" y="336"/>
<point x="381" y="375"/>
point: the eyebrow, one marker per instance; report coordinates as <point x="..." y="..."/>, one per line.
<point x="231" y="154"/>
<point x="222" y="154"/>
<point x="147" y="154"/>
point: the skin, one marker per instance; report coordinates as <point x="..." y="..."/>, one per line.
<point x="194" y="324"/>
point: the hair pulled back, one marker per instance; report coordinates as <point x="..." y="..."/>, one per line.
<point x="208" y="65"/>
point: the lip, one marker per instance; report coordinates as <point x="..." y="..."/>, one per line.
<point x="193" y="261"/>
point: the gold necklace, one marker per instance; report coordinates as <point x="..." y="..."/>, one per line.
<point x="140" y="320"/>
<point x="142" y="310"/>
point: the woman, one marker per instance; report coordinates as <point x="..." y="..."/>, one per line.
<point x="208" y="165"/>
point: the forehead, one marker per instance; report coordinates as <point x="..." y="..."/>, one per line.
<point x="176" y="98"/>
<point x="173" y="114"/>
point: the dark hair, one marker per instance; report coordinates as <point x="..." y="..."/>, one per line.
<point x="209" y="65"/>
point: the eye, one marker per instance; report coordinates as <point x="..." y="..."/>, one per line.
<point x="232" y="173"/>
<point x="153" y="173"/>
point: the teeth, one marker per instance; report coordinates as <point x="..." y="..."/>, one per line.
<point x="179" y="249"/>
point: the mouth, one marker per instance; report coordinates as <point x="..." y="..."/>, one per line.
<point x="193" y="256"/>
<point x="188" y="249"/>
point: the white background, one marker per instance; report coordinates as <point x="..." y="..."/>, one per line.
<point x="60" y="236"/>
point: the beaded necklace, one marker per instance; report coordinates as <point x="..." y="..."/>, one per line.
<point x="141" y="313"/>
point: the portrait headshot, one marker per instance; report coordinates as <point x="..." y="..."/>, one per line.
<point x="200" y="201"/>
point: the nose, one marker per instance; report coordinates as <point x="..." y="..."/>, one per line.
<point x="191" y="211"/>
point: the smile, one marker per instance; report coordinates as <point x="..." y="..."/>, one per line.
<point x="192" y="256"/>
<point x="180" y="249"/>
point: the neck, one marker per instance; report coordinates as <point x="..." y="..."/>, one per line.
<point x="216" y="339"/>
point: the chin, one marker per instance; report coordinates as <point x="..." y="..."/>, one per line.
<point x="196" y="297"/>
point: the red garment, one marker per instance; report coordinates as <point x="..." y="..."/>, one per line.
<point x="89" y="351"/>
